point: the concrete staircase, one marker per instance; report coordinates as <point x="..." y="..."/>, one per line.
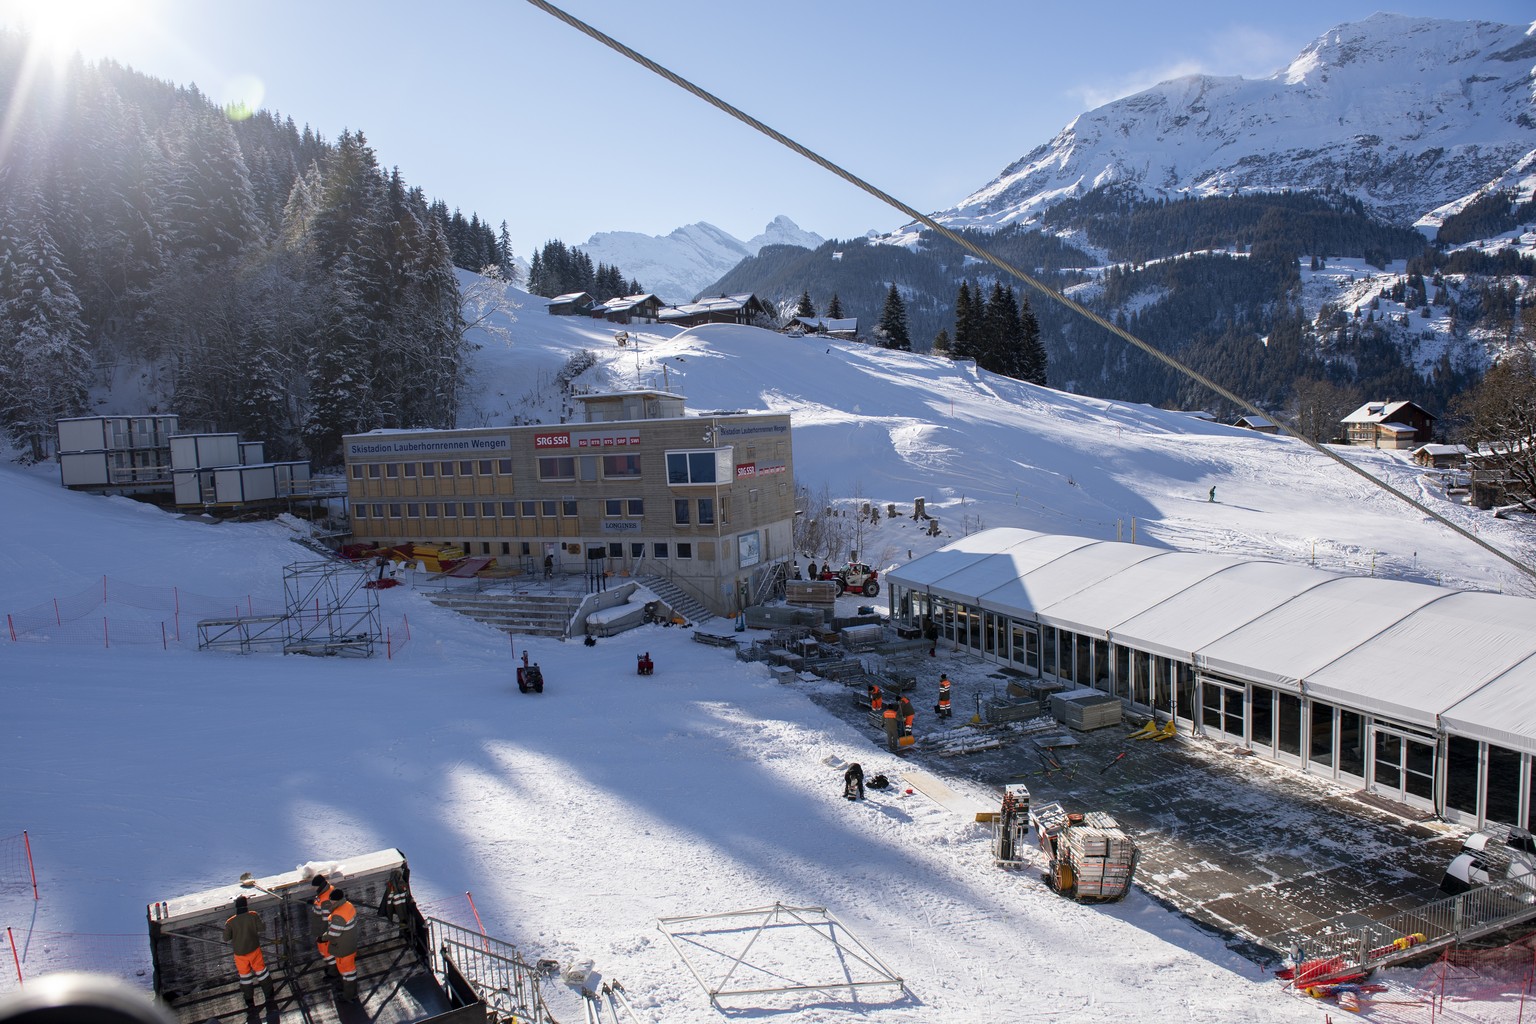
<point x="525" y="614"/>
<point x="676" y="598"/>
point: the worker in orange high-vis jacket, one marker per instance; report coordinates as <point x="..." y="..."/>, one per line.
<point x="242" y="930"/>
<point x="876" y="703"/>
<point x="892" y="727"/>
<point x="907" y="712"/>
<point x="341" y="938"/>
<point x="320" y="911"/>
<point x="942" y="708"/>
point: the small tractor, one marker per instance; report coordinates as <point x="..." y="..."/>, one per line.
<point x="530" y="678"/>
<point x="855" y="576"/>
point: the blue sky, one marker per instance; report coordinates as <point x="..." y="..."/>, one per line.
<point x="496" y="107"/>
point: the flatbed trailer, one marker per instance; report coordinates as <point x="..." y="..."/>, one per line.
<point x="399" y="979"/>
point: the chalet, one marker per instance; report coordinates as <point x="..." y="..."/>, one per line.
<point x="570" y="304"/>
<point x="1396" y="425"/>
<point x="1258" y="423"/>
<point x="719" y="309"/>
<point x="628" y="309"/>
<point x="1441" y="456"/>
<point x="844" y="328"/>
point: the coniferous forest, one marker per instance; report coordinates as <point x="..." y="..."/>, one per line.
<point x="259" y="278"/>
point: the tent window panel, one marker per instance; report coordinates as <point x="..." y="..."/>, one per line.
<point x="1184" y="691"/>
<point x="1420" y="767"/>
<point x="1351" y="743"/>
<point x="1289" y="736"/>
<point x="1141" y="681"/>
<point x="1388" y="771"/>
<point x="1530" y="787"/>
<point x="1502" y="799"/>
<point x="1084" y="672"/>
<point x="1162" y="686"/>
<point x="1461" y="774"/>
<point x="1101" y="664"/>
<point x="1122" y="671"/>
<point x="1321" y="749"/>
<point x="1048" y="649"/>
<point x="1262" y="717"/>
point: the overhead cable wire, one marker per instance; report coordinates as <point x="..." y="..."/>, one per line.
<point x="996" y="261"/>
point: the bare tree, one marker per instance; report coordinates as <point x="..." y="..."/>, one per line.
<point x="1501" y="413"/>
<point x="1321" y="404"/>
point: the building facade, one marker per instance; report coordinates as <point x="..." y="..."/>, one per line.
<point x="1421" y="695"/>
<point x="638" y="488"/>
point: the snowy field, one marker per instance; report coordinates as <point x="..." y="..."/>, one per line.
<point x="580" y="817"/>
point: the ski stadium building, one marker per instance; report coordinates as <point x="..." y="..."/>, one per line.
<point x="1418" y="694"/>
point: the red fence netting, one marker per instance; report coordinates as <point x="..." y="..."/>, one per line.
<point x="122" y="612"/>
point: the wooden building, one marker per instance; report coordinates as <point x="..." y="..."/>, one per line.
<point x="1395" y="425"/>
<point x="570" y="304"/>
<point x="721" y="309"/>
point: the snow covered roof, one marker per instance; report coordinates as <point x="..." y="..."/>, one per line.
<point x="1443" y="449"/>
<point x="568" y="297"/>
<point x="1379" y="412"/>
<point x="828" y="324"/>
<point x="1415" y="653"/>
<point x="1256" y="422"/>
<point x="623" y="302"/>
<point x="709" y="304"/>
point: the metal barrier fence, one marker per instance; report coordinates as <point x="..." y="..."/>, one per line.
<point x="500" y="976"/>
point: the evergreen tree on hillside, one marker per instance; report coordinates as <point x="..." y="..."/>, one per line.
<point x="804" y="307"/>
<point x="941" y="343"/>
<point x="892" y="328"/>
<point x="835" y="309"/>
<point x="1001" y="349"/>
<point x="210" y="210"/>
<point x="44" y="364"/>
<point x="967" y="325"/>
<point x="504" y="256"/>
<point x="1033" y="361"/>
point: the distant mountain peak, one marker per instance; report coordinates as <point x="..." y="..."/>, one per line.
<point x="678" y="265"/>
<point x="1405" y="113"/>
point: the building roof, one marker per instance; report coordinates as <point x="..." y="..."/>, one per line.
<point x="1442" y="449"/>
<point x="1380" y="412"/>
<point x="828" y="324"/>
<point x="568" y="297"/>
<point x="1415" y="653"/>
<point x="710" y="304"/>
<point x="1255" y="422"/>
<point x="619" y="303"/>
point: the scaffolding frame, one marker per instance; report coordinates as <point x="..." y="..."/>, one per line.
<point x="331" y="610"/>
<point x="848" y="952"/>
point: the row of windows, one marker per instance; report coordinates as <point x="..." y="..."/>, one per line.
<point x="547" y="509"/>
<point x="411" y="470"/>
<point x="637" y="549"/>
<point x="567" y="467"/>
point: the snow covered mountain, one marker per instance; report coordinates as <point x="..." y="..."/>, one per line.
<point x="678" y="266"/>
<point x="1405" y="113"/>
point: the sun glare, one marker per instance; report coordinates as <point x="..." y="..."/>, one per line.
<point x="59" y="28"/>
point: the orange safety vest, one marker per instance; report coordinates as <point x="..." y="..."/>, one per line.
<point x="889" y="713"/>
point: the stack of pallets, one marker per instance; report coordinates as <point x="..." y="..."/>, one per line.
<point x="1103" y="858"/>
<point x="1086" y="710"/>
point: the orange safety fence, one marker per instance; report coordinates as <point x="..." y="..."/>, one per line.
<point x="121" y="612"/>
<point x="18" y="872"/>
<point x="396" y="637"/>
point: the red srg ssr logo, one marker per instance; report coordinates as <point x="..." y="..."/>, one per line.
<point x="746" y="469"/>
<point x="560" y="439"/>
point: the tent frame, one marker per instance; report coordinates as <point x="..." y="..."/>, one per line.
<point x="818" y="921"/>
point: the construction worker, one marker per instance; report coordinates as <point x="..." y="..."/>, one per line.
<point x="341" y="940"/>
<point x="876" y="703"/>
<point x="942" y="708"/>
<point x="907" y="712"/>
<point x="892" y="727"/>
<point x="396" y="904"/>
<point x="321" y="908"/>
<point x="242" y="930"/>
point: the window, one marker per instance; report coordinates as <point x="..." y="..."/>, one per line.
<point x="410" y="469"/>
<point x="588" y="464"/>
<point x="615" y="549"/>
<point x="486" y="467"/>
<point x="659" y="550"/>
<point x="466" y="468"/>
<point x="450" y="510"/>
<point x="431" y="510"/>
<point x="445" y="469"/>
<point x="504" y="467"/>
<point x="547" y="509"/>
<point x="685" y="550"/>
<point x="725" y="509"/>
<point x="568" y="507"/>
<point x="412" y="510"/>
<point x="508" y="511"/>
<point x="373" y="471"/>
<point x="637" y="549"/>
<point x="636" y="507"/>
<point x="357" y="472"/>
<point x="527" y="509"/>
<point x="615" y="466"/>
<point x="691" y="468"/>
<point x="506" y="548"/>
<point x="752" y="496"/>
<point x="378" y="511"/>
<point x="706" y="511"/>
<point x="392" y="470"/>
<point x="466" y="511"/>
<point x="361" y="512"/>
<point x="394" y="511"/>
<point x="557" y="467"/>
<point x="613" y="508"/>
<point x="429" y="469"/>
<point x="488" y="509"/>
<point x="680" y="511"/>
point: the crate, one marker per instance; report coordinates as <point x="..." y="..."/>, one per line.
<point x="1086" y="710"/>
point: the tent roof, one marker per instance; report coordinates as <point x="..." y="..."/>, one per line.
<point x="1407" y="651"/>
